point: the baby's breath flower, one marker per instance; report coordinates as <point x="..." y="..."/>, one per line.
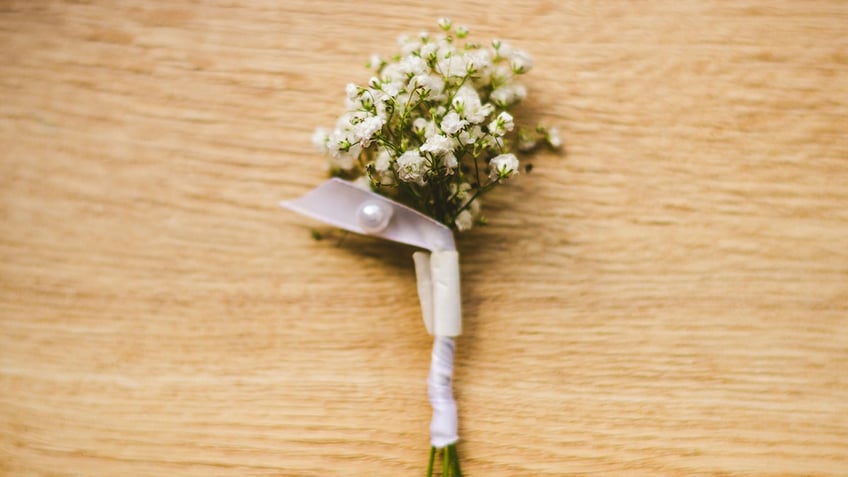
<point x="464" y="221"/>
<point x="451" y="123"/>
<point x="520" y="62"/>
<point x="432" y="86"/>
<point x="438" y="144"/>
<point x="471" y="136"/>
<point x="412" y="167"/>
<point x="365" y="130"/>
<point x="553" y="138"/>
<point x="429" y="51"/>
<point x="453" y="66"/>
<point x="423" y="128"/>
<point x="319" y="140"/>
<point x="375" y="63"/>
<point x="503" y="166"/>
<point x="467" y="103"/>
<point x="508" y="95"/>
<point x="383" y="173"/>
<point x="414" y="65"/>
<point x="502" y="124"/>
<point x="432" y="127"/>
<point x="450" y="162"/>
<point x="504" y="49"/>
<point x="479" y="60"/>
<point x="383" y="162"/>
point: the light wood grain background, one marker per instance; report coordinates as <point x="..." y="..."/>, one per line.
<point x="668" y="297"/>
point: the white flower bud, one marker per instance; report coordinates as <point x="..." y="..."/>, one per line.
<point x="464" y="221"/>
<point x="438" y="145"/>
<point x="452" y="123"/>
<point x="319" y="140"/>
<point x="503" y="166"/>
<point x="411" y="167"/>
<point x="553" y="138"/>
<point x="520" y="62"/>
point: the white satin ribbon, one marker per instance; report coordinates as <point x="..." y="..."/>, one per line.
<point x="438" y="292"/>
<point x="344" y="205"/>
<point x="340" y="203"/>
<point x="444" y="429"/>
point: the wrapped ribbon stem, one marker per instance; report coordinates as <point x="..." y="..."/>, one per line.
<point x="438" y="290"/>
<point x="344" y="205"/>
<point x="443" y="427"/>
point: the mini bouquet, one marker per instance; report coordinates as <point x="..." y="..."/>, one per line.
<point x="416" y="149"/>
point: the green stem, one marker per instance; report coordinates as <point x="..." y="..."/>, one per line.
<point x="446" y="463"/>
<point x="456" y="470"/>
<point x="478" y="193"/>
<point x="430" y="464"/>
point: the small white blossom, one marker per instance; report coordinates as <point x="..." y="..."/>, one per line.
<point x="452" y="66"/>
<point x="408" y="45"/>
<point x="467" y="102"/>
<point x="520" y="62"/>
<point x="503" y="166"/>
<point x="412" y="167"/>
<point x="414" y="65"/>
<point x="383" y="162"/>
<point x="502" y="124"/>
<point x="319" y="140"/>
<point x="478" y="60"/>
<point x="508" y="95"/>
<point x="464" y="221"/>
<point x="390" y="89"/>
<point x="352" y="90"/>
<point x="365" y="130"/>
<point x="423" y="127"/>
<point x="383" y="168"/>
<point x="553" y="138"/>
<point x="470" y="136"/>
<point x="452" y="123"/>
<point x="445" y="23"/>
<point x="438" y="145"/>
<point x="430" y="50"/>
<point x="450" y="162"/>
<point x="502" y="49"/>
<point x="474" y="208"/>
<point x="375" y="62"/>
<point x="433" y="85"/>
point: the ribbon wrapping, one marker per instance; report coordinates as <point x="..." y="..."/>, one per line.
<point x="444" y="424"/>
<point x="344" y="205"/>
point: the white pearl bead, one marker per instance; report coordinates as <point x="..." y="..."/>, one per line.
<point x="374" y="217"/>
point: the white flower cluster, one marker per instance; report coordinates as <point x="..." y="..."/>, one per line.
<point x="432" y="127"/>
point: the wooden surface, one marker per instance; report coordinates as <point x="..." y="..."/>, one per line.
<point x="669" y="297"/>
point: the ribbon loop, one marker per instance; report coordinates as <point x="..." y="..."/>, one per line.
<point x="344" y="205"/>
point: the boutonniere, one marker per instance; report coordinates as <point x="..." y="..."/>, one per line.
<point x="417" y="148"/>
